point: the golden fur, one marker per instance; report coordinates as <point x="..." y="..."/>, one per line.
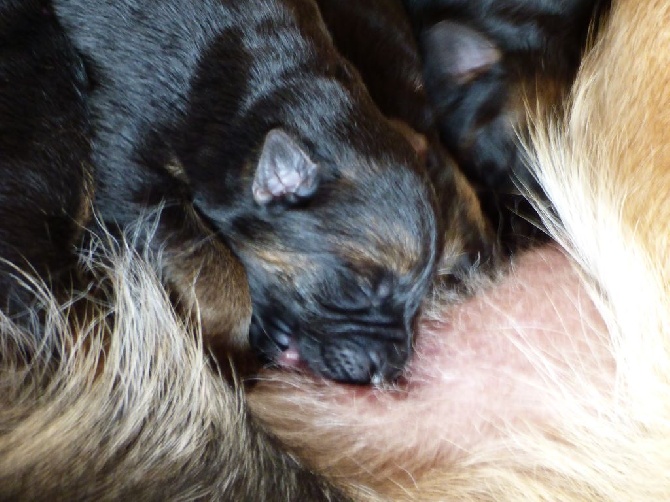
<point x="606" y="168"/>
<point x="151" y="422"/>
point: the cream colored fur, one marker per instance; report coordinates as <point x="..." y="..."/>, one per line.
<point x="134" y="407"/>
<point x="606" y="169"/>
<point x="131" y="410"/>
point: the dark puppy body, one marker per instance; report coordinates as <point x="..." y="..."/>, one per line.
<point x="44" y="148"/>
<point x="480" y="60"/>
<point x="281" y="152"/>
<point x="51" y="449"/>
<point x="376" y="36"/>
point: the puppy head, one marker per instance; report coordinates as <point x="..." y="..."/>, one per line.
<point x="339" y="252"/>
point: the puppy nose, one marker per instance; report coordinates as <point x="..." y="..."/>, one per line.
<point x="361" y="361"/>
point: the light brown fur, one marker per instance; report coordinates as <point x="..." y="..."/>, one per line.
<point x="154" y="422"/>
<point x="606" y="170"/>
<point x="210" y="283"/>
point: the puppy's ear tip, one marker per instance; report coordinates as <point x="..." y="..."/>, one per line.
<point x="458" y="51"/>
<point x="285" y="172"/>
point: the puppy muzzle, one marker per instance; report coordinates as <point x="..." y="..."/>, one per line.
<point x="344" y="355"/>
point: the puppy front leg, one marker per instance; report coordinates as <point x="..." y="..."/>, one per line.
<point x="205" y="278"/>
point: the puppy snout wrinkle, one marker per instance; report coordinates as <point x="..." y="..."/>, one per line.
<point x="361" y="361"/>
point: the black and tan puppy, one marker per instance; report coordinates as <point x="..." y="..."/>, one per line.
<point x="281" y="152"/>
<point x="481" y="60"/>
<point x="44" y="148"/>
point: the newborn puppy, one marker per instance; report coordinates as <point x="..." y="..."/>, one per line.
<point x="481" y="60"/>
<point x="44" y="148"/>
<point x="274" y="146"/>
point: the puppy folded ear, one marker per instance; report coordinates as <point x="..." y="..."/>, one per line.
<point x="285" y="172"/>
<point x="458" y="52"/>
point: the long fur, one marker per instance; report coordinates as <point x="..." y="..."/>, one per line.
<point x="148" y="424"/>
<point x="131" y="410"/>
<point x="604" y="166"/>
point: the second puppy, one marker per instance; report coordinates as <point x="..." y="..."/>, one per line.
<point x="482" y="62"/>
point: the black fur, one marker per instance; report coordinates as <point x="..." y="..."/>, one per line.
<point x="377" y="37"/>
<point x="44" y="152"/>
<point x="44" y="204"/>
<point x="341" y="271"/>
<point x="501" y="45"/>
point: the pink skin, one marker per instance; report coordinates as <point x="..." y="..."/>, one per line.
<point x="476" y="369"/>
<point x="290" y="358"/>
<point x="491" y="360"/>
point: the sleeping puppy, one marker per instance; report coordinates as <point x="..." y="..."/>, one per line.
<point x="482" y="60"/>
<point x="580" y="412"/>
<point x="243" y="120"/>
<point x="44" y="147"/>
<point x="57" y="442"/>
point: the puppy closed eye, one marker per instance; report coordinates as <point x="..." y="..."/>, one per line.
<point x="351" y="291"/>
<point x="379" y="290"/>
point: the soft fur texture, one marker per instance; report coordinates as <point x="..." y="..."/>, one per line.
<point x="149" y="425"/>
<point x="44" y="149"/>
<point x="132" y="411"/>
<point x="603" y="430"/>
<point x="481" y="59"/>
<point x="280" y="154"/>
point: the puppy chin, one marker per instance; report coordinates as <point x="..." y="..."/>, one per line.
<point x="290" y="358"/>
